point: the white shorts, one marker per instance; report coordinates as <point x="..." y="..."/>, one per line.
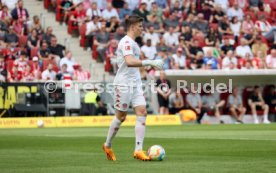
<point x="124" y="96"/>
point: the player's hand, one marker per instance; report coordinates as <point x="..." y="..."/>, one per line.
<point x="158" y="64"/>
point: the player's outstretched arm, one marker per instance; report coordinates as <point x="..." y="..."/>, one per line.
<point x="133" y="62"/>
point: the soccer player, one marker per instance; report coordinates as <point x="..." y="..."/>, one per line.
<point x="128" y="88"/>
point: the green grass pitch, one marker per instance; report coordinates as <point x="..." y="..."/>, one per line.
<point x="189" y="149"/>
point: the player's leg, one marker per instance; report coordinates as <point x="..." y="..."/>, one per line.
<point x="121" y="102"/>
<point x="140" y="129"/>
<point x="266" y="110"/>
<point x="139" y="105"/>
<point x="113" y="129"/>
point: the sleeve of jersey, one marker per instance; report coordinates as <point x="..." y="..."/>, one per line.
<point x="127" y="49"/>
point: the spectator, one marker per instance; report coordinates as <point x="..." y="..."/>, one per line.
<point x="112" y="25"/>
<point x="4" y="12"/>
<point x="14" y="75"/>
<point x="91" y="28"/>
<point x="21" y="62"/>
<point x="194" y="102"/>
<point x="149" y="50"/>
<point x="256" y="102"/>
<point x="210" y="62"/>
<point x="36" y="25"/>
<point x="226" y="46"/>
<point x="66" y="7"/>
<point x="28" y="75"/>
<point x="163" y="93"/>
<point x="197" y="62"/>
<point x="218" y="13"/>
<point x="235" y="11"/>
<point x="200" y="24"/>
<point x="162" y="54"/>
<point x="263" y="26"/>
<point x="20" y="13"/>
<point x="36" y="68"/>
<point x="235" y="105"/>
<point x="246" y="62"/>
<point x="179" y="59"/>
<point x="228" y="60"/>
<point x="124" y="11"/>
<point x="194" y="48"/>
<point x="162" y="45"/>
<point x="171" y="38"/>
<point x="224" y="26"/>
<point x="44" y="53"/>
<point x="11" y="37"/>
<point x="207" y="10"/>
<point x="235" y="26"/>
<point x="63" y="72"/>
<point x="156" y="11"/>
<point x="172" y="21"/>
<point x="270" y="98"/>
<point x="48" y="35"/>
<point x="120" y="33"/>
<point x="247" y="26"/>
<point x="186" y="33"/>
<point x="56" y="49"/>
<point x="243" y="48"/>
<point x="79" y="74"/>
<point x="153" y="36"/>
<point x="102" y="41"/>
<point x="110" y="12"/>
<point x="176" y="102"/>
<point x="271" y="59"/>
<point x="157" y="26"/>
<point x="49" y="73"/>
<point x="258" y="62"/>
<point x="212" y="39"/>
<point x="93" y="11"/>
<point x="78" y="16"/>
<point x="69" y="61"/>
<point x="259" y="46"/>
<point x="33" y="41"/>
<point x="142" y="11"/>
<point x="212" y="103"/>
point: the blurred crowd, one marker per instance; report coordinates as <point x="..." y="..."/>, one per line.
<point x="28" y="52"/>
<point x="186" y="34"/>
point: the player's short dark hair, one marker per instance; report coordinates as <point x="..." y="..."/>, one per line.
<point x="133" y="20"/>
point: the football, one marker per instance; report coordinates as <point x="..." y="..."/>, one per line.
<point x="156" y="152"/>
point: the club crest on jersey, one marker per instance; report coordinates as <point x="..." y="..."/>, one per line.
<point x="127" y="47"/>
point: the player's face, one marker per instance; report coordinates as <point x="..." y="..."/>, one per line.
<point x="138" y="28"/>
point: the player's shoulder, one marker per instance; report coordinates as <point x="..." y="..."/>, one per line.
<point x="125" y="40"/>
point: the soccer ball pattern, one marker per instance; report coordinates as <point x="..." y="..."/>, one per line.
<point x="156" y="152"/>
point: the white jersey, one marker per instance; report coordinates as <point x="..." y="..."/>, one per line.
<point x="127" y="76"/>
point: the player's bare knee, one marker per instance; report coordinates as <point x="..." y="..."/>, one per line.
<point x="123" y="118"/>
<point x="142" y="112"/>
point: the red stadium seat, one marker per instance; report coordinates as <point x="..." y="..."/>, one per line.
<point x="46" y="4"/>
<point x="59" y="15"/>
<point x="71" y="26"/>
<point x="34" y="52"/>
<point x="82" y="31"/>
<point x="213" y="25"/>
<point x="22" y="42"/>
